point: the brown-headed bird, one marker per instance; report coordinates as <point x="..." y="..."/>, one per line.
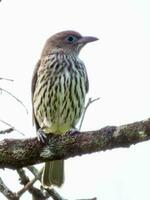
<point x="59" y="87"/>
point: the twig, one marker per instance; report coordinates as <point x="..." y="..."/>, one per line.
<point x="9" y="130"/>
<point x="50" y="192"/>
<point x="89" y="199"/>
<point x="34" y="171"/>
<point x="3" y="90"/>
<point x="54" y="194"/>
<point x="23" y="178"/>
<point x="6" y="79"/>
<point x="29" y="184"/>
<point x="11" y="127"/>
<point x="90" y="101"/>
<point x="7" y="192"/>
<point x="36" y="193"/>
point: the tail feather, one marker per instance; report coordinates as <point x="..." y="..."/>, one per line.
<point x="53" y="173"/>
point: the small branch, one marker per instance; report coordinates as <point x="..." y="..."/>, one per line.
<point x="6" y="131"/>
<point x="50" y="192"/>
<point x="7" y="192"/>
<point x="90" y="101"/>
<point x="11" y="127"/>
<point x="23" y="178"/>
<point x="54" y="194"/>
<point x="3" y="90"/>
<point x="25" y="181"/>
<point x="6" y="79"/>
<point x="34" y="171"/>
<point x="38" y="194"/>
<point x="28" y="186"/>
<point x="15" y="153"/>
<point x="89" y="199"/>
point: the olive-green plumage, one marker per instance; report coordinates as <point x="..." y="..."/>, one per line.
<point x="59" y="87"/>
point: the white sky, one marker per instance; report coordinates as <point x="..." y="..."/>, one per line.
<point x="118" y="66"/>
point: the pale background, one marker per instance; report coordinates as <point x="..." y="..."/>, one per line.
<point x="118" y="66"/>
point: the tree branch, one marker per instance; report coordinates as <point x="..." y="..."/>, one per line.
<point x="28" y="186"/>
<point x="51" y="192"/>
<point x="7" y="192"/>
<point x="16" y="153"/>
<point x="6" y="79"/>
<point x="90" y="101"/>
<point x="9" y="93"/>
<point x="8" y="130"/>
<point x="12" y="128"/>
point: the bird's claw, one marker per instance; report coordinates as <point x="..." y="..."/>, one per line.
<point x="73" y="131"/>
<point x="42" y="137"/>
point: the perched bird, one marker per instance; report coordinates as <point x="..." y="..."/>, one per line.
<point x="59" y="87"/>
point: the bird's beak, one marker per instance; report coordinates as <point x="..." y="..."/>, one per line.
<point x="87" y="39"/>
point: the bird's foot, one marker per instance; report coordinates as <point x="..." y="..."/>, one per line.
<point x="41" y="135"/>
<point x="73" y="131"/>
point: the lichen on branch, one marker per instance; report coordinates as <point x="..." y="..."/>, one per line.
<point x="16" y="153"/>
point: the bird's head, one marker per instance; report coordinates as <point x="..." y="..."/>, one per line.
<point x="69" y="42"/>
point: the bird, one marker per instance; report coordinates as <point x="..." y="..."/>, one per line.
<point x="59" y="87"/>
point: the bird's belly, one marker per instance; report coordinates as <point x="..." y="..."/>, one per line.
<point x="63" y="115"/>
<point x="60" y="106"/>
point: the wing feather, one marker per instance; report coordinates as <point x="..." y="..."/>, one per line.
<point x="33" y="85"/>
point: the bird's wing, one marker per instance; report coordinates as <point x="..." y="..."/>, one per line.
<point x="87" y="84"/>
<point x="33" y="84"/>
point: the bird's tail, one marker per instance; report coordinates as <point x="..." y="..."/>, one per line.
<point x="53" y="173"/>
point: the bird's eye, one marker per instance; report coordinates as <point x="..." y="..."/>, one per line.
<point x="71" y="39"/>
